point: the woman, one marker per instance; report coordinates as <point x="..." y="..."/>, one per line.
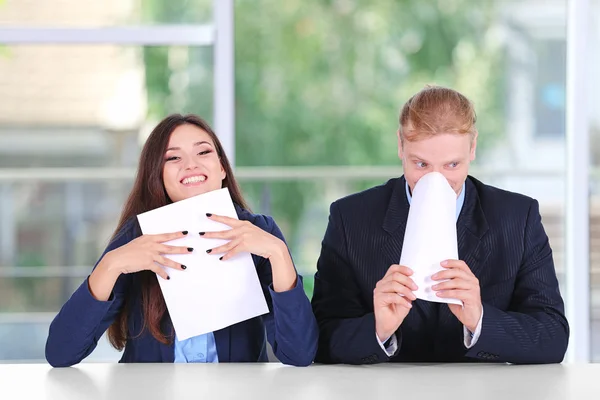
<point x="183" y="158"/>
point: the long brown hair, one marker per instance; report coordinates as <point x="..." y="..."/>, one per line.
<point x="148" y="193"/>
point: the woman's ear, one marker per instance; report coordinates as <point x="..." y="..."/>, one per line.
<point x="223" y="172"/>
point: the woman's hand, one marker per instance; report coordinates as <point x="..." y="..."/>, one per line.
<point x="244" y="237"/>
<point x="247" y="237"/>
<point x="147" y="253"/>
<point x="143" y="253"/>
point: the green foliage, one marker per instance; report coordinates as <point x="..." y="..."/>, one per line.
<point x="321" y="82"/>
<point x="178" y="79"/>
<point x="176" y="11"/>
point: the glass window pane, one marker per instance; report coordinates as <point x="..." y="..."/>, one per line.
<point x="91" y="106"/>
<point x="91" y="13"/>
<point x="313" y="89"/>
<point x="74" y="107"/>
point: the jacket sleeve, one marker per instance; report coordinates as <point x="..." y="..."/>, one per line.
<point x="347" y="331"/>
<point x="82" y="320"/>
<point x="534" y="329"/>
<point x="291" y="326"/>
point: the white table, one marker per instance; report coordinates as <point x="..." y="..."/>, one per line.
<point x="276" y="381"/>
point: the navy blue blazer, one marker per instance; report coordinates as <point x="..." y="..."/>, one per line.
<point x="290" y="326"/>
<point x="502" y="240"/>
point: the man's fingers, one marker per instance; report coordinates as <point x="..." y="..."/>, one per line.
<point x="452" y="274"/>
<point x="393" y="298"/>
<point x="458" y="264"/>
<point x="405" y="280"/>
<point x="399" y="268"/>
<point x="395" y="287"/>
<point x="453" y="284"/>
<point x="463" y="295"/>
<point x="400" y="278"/>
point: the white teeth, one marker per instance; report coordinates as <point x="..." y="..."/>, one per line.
<point x="194" y="179"/>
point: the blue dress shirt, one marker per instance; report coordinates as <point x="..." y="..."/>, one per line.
<point x="197" y="349"/>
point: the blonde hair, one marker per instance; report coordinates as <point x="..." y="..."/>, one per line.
<point x="435" y="110"/>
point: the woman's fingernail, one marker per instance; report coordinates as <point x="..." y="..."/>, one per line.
<point x="202" y="233"/>
<point x="220" y="258"/>
<point x="208" y="215"/>
<point x="183" y="266"/>
<point x="190" y="249"/>
<point x="209" y="250"/>
<point x="185" y="232"/>
<point x="168" y="277"/>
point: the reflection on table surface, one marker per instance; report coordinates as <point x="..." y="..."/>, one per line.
<point x="276" y="381"/>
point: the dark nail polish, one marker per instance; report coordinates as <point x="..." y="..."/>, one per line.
<point x="185" y="232"/>
<point x="202" y="233"/>
<point x="183" y="266"/>
<point x="190" y="249"/>
<point x="220" y="258"/>
<point x="208" y="215"/>
<point x="168" y="277"/>
<point x="209" y="250"/>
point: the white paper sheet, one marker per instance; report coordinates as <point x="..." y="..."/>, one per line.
<point x="210" y="294"/>
<point x="430" y="235"/>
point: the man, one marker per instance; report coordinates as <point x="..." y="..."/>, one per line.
<point x="364" y="303"/>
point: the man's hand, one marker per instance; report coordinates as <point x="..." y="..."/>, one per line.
<point x="460" y="284"/>
<point x="392" y="300"/>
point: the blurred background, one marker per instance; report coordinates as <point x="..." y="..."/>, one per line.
<point x="317" y="90"/>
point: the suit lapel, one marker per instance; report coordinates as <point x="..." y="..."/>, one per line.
<point x="470" y="229"/>
<point x="395" y="225"/>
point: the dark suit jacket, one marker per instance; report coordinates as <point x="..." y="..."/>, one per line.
<point x="290" y="326"/>
<point x="500" y="237"/>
